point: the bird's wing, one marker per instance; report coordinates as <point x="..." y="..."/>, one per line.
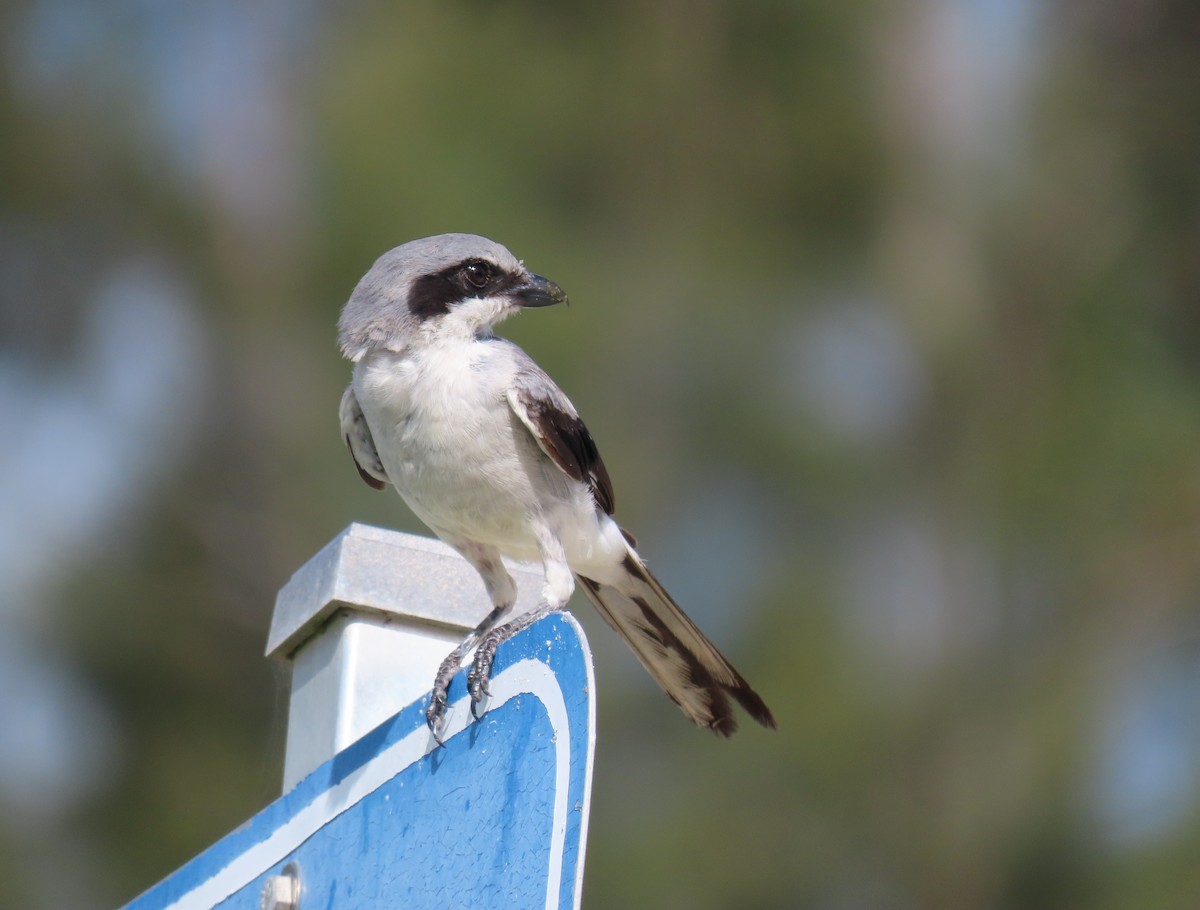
<point x="552" y="420"/>
<point x="360" y="442"/>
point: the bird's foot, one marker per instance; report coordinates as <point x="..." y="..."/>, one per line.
<point x="435" y="711"/>
<point x="481" y="666"/>
<point x="480" y="672"/>
<point x="485" y="654"/>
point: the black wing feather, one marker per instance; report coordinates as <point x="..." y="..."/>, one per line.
<point x="560" y="433"/>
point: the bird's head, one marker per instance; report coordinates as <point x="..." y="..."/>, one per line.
<point x="448" y="285"/>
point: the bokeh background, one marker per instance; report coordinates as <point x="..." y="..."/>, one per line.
<point x="887" y="320"/>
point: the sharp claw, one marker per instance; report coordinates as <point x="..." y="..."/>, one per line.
<point x="479" y="690"/>
<point x="435" y="716"/>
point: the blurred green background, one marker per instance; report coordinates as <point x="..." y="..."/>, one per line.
<point x="886" y="318"/>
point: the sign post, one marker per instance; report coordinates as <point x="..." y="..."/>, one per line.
<point x="377" y="815"/>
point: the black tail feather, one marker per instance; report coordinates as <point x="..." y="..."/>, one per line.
<point x="680" y="658"/>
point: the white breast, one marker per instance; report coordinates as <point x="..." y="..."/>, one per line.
<point x="449" y="441"/>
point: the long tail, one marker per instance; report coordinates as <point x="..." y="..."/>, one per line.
<point x="687" y="666"/>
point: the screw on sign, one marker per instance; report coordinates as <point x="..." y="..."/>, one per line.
<point x="282" y="892"/>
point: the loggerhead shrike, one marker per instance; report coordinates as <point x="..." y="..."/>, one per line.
<point x="490" y="454"/>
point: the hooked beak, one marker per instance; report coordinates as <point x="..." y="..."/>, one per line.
<point x="538" y="291"/>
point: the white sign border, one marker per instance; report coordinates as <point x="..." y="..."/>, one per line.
<point x="525" y="676"/>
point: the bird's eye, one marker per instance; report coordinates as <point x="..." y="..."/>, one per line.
<point x="477" y="273"/>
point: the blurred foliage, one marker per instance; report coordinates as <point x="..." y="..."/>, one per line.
<point x="913" y="332"/>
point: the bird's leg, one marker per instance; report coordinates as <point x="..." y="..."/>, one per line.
<point x="503" y="592"/>
<point x="556" y="591"/>
<point x="481" y="666"/>
<point x="435" y="711"/>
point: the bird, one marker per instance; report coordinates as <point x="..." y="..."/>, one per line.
<point x="491" y="455"/>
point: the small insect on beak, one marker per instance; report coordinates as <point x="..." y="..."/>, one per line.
<point x="538" y="291"/>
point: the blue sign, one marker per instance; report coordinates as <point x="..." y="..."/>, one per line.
<point x="496" y="818"/>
